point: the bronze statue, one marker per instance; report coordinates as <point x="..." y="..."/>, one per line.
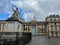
<point x="16" y="13"/>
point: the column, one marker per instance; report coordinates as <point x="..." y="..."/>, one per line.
<point x="57" y="27"/>
<point x="50" y="34"/>
<point x="54" y="34"/>
<point x="58" y="34"/>
<point x="3" y="26"/>
<point x="27" y="28"/>
<point x="43" y="29"/>
<point x="37" y="29"/>
<point x="30" y="28"/>
<point x="53" y="28"/>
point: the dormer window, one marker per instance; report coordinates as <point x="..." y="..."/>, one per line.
<point x="48" y="18"/>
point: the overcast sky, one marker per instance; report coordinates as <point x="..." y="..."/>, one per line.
<point x="28" y="9"/>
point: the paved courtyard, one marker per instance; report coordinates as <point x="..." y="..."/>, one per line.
<point x="42" y="40"/>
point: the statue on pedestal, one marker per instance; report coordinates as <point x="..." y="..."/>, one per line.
<point x="16" y="13"/>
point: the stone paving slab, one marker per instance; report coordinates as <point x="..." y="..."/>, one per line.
<point x="42" y="40"/>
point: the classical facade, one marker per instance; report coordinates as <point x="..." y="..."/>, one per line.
<point x="35" y="27"/>
<point x="49" y="27"/>
<point x="53" y="25"/>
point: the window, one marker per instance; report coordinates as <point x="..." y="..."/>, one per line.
<point x="55" y="23"/>
<point x="56" y="33"/>
<point x="51" y="27"/>
<point x="59" y="27"/>
<point x="25" y="27"/>
<point x="18" y="27"/>
<point x="55" y="27"/>
<point x="41" y="30"/>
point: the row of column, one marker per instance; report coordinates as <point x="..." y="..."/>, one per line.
<point x="26" y="28"/>
<point x="54" y="33"/>
<point x="54" y="28"/>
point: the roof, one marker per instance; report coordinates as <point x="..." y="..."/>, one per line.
<point x="52" y="16"/>
<point x="34" y="23"/>
<point x="14" y="19"/>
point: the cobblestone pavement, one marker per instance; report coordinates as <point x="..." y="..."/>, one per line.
<point x="42" y="40"/>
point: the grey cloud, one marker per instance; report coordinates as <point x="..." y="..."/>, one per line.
<point x="41" y="9"/>
<point x="38" y="8"/>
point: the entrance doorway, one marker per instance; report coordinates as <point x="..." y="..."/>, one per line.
<point x="33" y="30"/>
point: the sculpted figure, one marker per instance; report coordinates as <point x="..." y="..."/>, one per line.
<point x="16" y="13"/>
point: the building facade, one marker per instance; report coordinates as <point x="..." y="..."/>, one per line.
<point x="50" y="27"/>
<point x="35" y="27"/>
<point x="11" y="27"/>
<point x="53" y="25"/>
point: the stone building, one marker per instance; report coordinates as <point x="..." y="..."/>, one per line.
<point x="53" y="25"/>
<point x="12" y="26"/>
<point x="49" y="27"/>
<point x="35" y="27"/>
